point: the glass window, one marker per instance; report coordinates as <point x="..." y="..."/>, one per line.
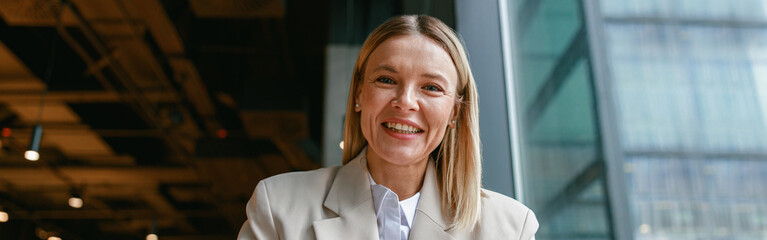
<point x="689" y="79"/>
<point x="563" y="170"/>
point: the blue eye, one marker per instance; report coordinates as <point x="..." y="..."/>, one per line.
<point x="432" y="88"/>
<point x="385" y="80"/>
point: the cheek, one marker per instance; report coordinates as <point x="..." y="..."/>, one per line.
<point x="373" y="97"/>
<point x="440" y="114"/>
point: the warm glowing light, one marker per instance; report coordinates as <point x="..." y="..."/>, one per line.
<point x="3" y="216"/>
<point x="75" y="202"/>
<point x="6" y="132"/>
<point x="32" y="155"/>
<point x="152" y="236"/>
<point x="222" y="133"/>
<point x="54" y="238"/>
<point x="342" y="145"/>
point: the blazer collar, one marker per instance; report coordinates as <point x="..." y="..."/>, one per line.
<point x="350" y="186"/>
<point x="350" y="198"/>
<point x="429" y="222"/>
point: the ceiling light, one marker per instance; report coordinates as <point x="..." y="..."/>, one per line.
<point x="54" y="238"/>
<point x="152" y="231"/>
<point x="33" y="154"/>
<point x="342" y="145"/>
<point x="75" y="200"/>
<point x="151" y="236"/>
<point x="3" y="216"/>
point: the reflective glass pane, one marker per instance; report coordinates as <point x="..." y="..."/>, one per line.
<point x="563" y="170"/>
<point x="690" y="80"/>
<point x="749" y="10"/>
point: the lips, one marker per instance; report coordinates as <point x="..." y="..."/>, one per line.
<point x="402" y="127"/>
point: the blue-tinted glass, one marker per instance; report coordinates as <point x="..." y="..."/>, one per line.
<point x="690" y="84"/>
<point x="561" y="159"/>
<point x="543" y="40"/>
<point x="750" y="10"/>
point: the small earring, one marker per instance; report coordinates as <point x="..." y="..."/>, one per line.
<point x="453" y="121"/>
<point x="357" y="105"/>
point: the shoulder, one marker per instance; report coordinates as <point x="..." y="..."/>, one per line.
<point x="291" y="177"/>
<point x="285" y="205"/>
<point x="499" y="202"/>
<point x="502" y="212"/>
<point x="302" y="183"/>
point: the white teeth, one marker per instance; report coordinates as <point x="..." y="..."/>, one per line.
<point x="402" y="128"/>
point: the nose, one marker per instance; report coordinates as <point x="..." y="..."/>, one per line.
<point x="406" y="99"/>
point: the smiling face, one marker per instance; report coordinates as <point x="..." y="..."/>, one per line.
<point x="406" y="99"/>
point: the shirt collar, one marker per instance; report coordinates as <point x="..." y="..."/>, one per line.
<point x="408" y="205"/>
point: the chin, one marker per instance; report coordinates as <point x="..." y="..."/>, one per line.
<point x="404" y="155"/>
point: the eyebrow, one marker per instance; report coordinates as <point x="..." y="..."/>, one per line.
<point x="385" y="67"/>
<point x="390" y="68"/>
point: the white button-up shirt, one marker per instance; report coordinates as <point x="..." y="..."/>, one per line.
<point x="394" y="217"/>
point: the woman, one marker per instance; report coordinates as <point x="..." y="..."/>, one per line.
<point x="412" y="166"/>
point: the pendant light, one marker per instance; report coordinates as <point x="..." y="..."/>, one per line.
<point x="3" y="215"/>
<point x="33" y="154"/>
<point x="75" y="200"/>
<point x="153" y="231"/>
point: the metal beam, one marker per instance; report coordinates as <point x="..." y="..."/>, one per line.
<point x="240" y="50"/>
<point x="80" y="97"/>
<point x="728" y="23"/>
<point x="576" y="50"/>
<point x="30" y="176"/>
<point x="141" y="214"/>
<point x="74" y="129"/>
<point x="479" y="24"/>
<point x="508" y="26"/>
<point x="697" y="155"/>
<point x="609" y="134"/>
<point x="568" y="195"/>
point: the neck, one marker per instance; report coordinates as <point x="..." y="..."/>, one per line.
<point x="404" y="180"/>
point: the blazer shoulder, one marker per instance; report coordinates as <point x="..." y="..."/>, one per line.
<point x="498" y="201"/>
<point x="305" y="183"/>
<point x="503" y="212"/>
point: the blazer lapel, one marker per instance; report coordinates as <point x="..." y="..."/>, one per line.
<point x="349" y="197"/>
<point x="429" y="223"/>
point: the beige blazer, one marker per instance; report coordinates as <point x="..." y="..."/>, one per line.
<point x="336" y="203"/>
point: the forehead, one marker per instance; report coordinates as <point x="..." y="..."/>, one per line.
<point x="414" y="54"/>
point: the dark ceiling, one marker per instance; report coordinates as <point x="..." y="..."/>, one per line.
<point x="161" y="113"/>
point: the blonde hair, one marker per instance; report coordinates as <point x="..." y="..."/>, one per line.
<point x="458" y="157"/>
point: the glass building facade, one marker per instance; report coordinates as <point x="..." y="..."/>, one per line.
<point x="562" y="163"/>
<point x="642" y="119"/>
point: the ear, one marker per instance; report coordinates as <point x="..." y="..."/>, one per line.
<point x="454" y="115"/>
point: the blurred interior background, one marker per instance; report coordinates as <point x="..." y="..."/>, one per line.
<point x="611" y="119"/>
